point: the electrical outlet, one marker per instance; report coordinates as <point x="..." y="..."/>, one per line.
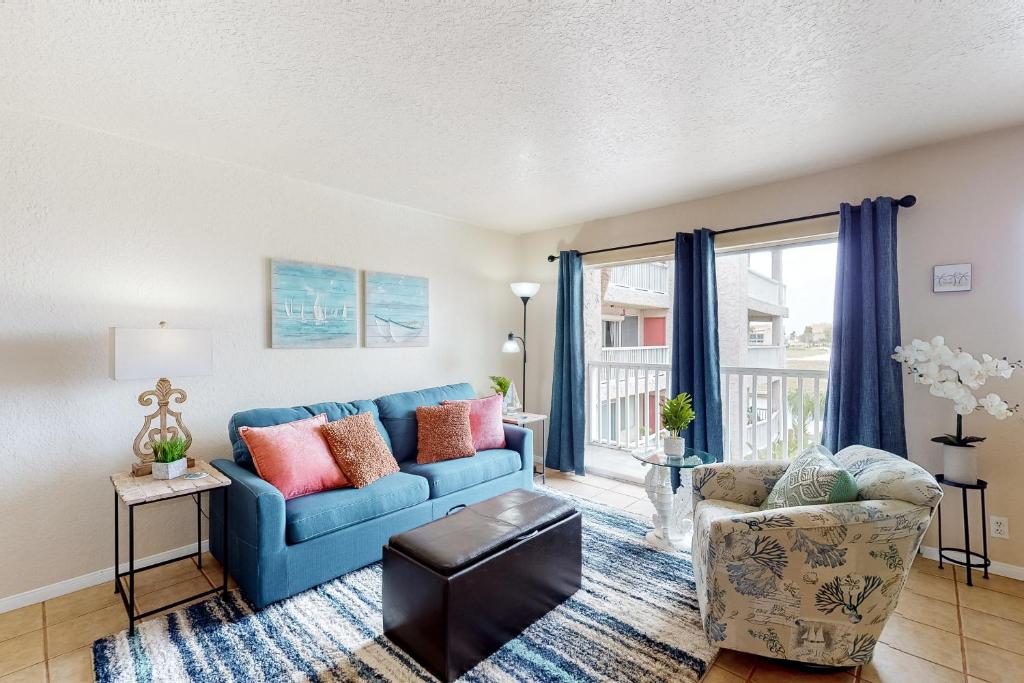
<point x="1000" y="527"/>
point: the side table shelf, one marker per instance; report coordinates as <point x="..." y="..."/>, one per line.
<point x="132" y="492"/>
<point x="969" y="555"/>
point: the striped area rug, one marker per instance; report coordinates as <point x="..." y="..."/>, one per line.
<point x="635" y="619"/>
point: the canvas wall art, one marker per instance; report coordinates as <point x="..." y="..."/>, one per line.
<point x="312" y="305"/>
<point x="954" y="277"/>
<point x="396" y="310"/>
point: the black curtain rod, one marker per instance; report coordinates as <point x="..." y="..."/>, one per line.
<point x="905" y="201"/>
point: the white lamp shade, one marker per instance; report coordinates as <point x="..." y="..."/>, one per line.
<point x="510" y="346"/>
<point x="157" y="353"/>
<point x="525" y="289"/>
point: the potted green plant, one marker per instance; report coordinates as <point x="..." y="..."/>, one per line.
<point x="676" y="415"/>
<point x="500" y="384"/>
<point x="169" y="460"/>
<point x="510" y="397"/>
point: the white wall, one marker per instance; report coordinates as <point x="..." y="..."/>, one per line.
<point x="970" y="209"/>
<point x="97" y="231"/>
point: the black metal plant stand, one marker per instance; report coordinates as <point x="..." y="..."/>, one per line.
<point x="969" y="555"/>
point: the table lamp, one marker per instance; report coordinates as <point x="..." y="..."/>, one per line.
<point x="158" y="354"/>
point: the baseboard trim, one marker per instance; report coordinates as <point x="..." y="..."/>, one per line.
<point x="55" y="590"/>
<point x="1011" y="571"/>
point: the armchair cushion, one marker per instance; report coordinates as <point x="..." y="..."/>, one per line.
<point x="813" y="478"/>
<point x="880" y="475"/>
<point x="748" y="483"/>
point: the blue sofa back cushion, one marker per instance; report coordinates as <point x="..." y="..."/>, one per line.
<point x="398" y="413"/>
<point x="268" y="417"/>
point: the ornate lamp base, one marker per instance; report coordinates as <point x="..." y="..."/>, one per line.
<point x="163" y="393"/>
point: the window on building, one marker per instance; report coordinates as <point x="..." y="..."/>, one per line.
<point x="624" y="332"/>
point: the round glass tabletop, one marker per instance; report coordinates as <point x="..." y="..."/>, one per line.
<point x="690" y="458"/>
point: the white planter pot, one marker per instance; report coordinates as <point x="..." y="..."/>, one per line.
<point x="170" y="470"/>
<point x="674" y="445"/>
<point x="960" y="464"/>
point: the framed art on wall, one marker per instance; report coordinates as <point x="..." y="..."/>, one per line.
<point x="396" y="311"/>
<point x="954" y="277"/>
<point x="312" y="305"/>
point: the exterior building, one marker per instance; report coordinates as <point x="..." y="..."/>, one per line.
<point x="628" y="333"/>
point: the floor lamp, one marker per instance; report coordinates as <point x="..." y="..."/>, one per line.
<point x="525" y="291"/>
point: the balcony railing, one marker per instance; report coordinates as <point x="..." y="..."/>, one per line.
<point x="767" y="413"/>
<point x="656" y="355"/>
<point x="765" y="289"/>
<point x="647" y="277"/>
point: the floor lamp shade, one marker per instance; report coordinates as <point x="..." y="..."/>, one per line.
<point x="525" y="290"/>
<point x="159" y="352"/>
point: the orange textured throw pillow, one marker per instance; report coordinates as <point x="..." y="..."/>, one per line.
<point x="359" y="449"/>
<point x="444" y="433"/>
<point x="294" y="457"/>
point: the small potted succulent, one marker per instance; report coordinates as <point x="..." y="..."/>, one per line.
<point x="169" y="460"/>
<point x="510" y="397"/>
<point x="676" y="415"/>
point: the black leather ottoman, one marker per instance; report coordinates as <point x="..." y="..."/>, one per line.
<point x="457" y="589"/>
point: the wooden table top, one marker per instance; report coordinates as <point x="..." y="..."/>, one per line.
<point x="135" y="490"/>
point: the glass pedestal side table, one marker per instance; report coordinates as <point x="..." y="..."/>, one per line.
<point x="673" y="523"/>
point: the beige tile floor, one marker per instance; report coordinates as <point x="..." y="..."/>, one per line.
<point x="942" y="630"/>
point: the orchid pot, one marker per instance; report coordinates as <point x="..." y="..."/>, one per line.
<point x="960" y="464"/>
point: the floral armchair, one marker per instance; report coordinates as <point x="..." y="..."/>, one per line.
<point x="815" y="583"/>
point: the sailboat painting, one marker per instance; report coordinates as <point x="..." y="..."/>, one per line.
<point x="396" y="311"/>
<point x="312" y="306"/>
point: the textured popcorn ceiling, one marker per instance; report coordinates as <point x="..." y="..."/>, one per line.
<point x="521" y="115"/>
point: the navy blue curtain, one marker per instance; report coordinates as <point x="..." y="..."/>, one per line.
<point x="695" y="368"/>
<point x="865" y="386"/>
<point x="566" y="438"/>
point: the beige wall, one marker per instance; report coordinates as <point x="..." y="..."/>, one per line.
<point x="970" y="209"/>
<point x="99" y="231"/>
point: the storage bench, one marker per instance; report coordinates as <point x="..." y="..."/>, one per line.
<point x="457" y="589"/>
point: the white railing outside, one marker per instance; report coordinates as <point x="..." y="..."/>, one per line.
<point x="623" y="403"/>
<point x="657" y="355"/>
<point x="765" y="289"/>
<point x="771" y="413"/>
<point x="648" y="277"/>
<point x="767" y="413"/>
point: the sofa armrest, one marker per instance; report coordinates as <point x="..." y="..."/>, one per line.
<point x="256" y="514"/>
<point x="520" y="439"/>
<point x="748" y="483"/>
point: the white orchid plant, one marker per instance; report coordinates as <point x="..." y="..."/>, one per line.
<point x="955" y="374"/>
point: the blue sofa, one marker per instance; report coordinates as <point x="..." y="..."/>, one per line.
<point x="278" y="548"/>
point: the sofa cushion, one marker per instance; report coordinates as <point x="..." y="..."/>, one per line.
<point x="266" y="417"/>
<point x="359" y="449"/>
<point x="455" y="475"/>
<point x="321" y="513"/>
<point x="443" y="432"/>
<point x="881" y="475"/>
<point x="398" y="414"/>
<point x="294" y="457"/>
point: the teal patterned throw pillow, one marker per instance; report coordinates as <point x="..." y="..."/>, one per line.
<point x="814" y="478"/>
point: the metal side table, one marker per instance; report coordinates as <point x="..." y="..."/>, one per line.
<point x="133" y="492"/>
<point x="528" y="420"/>
<point x="969" y="555"/>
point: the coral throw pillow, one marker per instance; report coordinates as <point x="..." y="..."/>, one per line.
<point x="294" y="457"/>
<point x="443" y="432"/>
<point x="485" y="422"/>
<point x="359" y="449"/>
